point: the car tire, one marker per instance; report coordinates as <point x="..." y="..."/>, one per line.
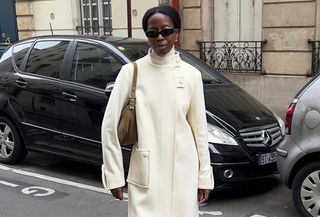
<point x="306" y="190"/>
<point x="12" y="149"/>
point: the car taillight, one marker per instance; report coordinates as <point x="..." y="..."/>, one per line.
<point x="289" y="117"/>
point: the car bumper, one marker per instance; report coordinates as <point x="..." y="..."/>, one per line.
<point x="228" y="174"/>
<point x="231" y="166"/>
<point x="289" y="153"/>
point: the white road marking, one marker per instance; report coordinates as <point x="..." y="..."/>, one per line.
<point x="8" y="184"/>
<point x="256" y="215"/>
<point x="214" y="213"/>
<point x="34" y="190"/>
<point x="57" y="180"/>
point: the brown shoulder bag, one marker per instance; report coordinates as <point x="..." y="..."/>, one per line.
<point x="127" y="127"/>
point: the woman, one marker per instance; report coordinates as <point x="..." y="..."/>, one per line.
<point x="170" y="168"/>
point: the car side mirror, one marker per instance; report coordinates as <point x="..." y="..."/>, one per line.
<point x="109" y="88"/>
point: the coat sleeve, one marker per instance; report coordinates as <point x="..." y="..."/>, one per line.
<point x="197" y="119"/>
<point x="112" y="167"/>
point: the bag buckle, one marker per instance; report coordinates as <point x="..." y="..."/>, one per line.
<point x="132" y="102"/>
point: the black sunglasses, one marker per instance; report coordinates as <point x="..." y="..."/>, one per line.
<point x="163" y="32"/>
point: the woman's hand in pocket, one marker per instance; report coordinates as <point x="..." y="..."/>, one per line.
<point x="117" y="193"/>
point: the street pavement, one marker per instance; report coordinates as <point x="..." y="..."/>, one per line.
<point x="34" y="197"/>
<point x="50" y="186"/>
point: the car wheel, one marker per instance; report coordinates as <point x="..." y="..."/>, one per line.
<point x="12" y="149"/>
<point x="306" y="190"/>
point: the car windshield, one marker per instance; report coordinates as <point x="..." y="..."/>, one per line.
<point x="133" y="51"/>
<point x="209" y="75"/>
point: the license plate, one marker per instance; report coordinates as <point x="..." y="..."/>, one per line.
<point x="267" y="158"/>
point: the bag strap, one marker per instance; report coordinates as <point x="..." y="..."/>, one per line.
<point x="134" y="84"/>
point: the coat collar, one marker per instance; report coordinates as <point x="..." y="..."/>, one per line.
<point x="172" y="58"/>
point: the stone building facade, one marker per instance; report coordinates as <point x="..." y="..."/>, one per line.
<point x="286" y="25"/>
<point x="38" y="17"/>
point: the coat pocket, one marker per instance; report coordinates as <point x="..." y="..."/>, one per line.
<point x="139" y="167"/>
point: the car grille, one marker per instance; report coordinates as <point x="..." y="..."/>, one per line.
<point x="265" y="136"/>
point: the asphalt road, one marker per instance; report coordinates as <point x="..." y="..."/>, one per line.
<point x="50" y="186"/>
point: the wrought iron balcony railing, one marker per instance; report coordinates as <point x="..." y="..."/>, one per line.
<point x="315" y="60"/>
<point x="233" y="56"/>
<point x="94" y="30"/>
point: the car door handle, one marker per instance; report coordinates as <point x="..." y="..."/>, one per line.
<point x="70" y="96"/>
<point x="109" y="88"/>
<point x="21" y="83"/>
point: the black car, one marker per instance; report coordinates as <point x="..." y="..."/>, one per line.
<point x="3" y="47"/>
<point x="54" y="90"/>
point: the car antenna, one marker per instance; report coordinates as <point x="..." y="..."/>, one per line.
<point x="51" y="28"/>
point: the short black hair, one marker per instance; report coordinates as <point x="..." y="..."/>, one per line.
<point x="163" y="9"/>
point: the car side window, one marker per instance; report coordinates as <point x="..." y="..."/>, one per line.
<point x="19" y="51"/>
<point x="46" y="58"/>
<point x="94" y="66"/>
<point x="5" y="61"/>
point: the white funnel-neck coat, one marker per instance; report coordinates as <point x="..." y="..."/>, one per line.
<point x="171" y="160"/>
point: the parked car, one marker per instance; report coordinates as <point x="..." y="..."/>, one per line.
<point x="3" y="47"/>
<point x="53" y="95"/>
<point x="299" y="152"/>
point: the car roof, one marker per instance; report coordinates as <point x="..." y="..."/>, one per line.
<point x="105" y="38"/>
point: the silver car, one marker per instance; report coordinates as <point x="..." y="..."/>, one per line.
<point x="299" y="153"/>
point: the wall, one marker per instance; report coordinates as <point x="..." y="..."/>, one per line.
<point x="24" y="18"/>
<point x="274" y="91"/>
<point x="192" y="25"/>
<point x="34" y="17"/>
<point x="62" y="14"/>
<point x="287" y="26"/>
<point x="119" y="18"/>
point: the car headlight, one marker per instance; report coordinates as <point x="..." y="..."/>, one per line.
<point x="281" y="124"/>
<point x="218" y="136"/>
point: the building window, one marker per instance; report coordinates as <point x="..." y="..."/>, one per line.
<point x="96" y="17"/>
